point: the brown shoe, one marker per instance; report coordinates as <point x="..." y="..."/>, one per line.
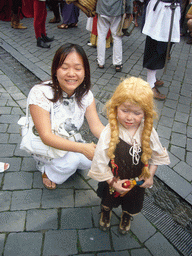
<point x="125" y="223"/>
<point x="159" y="83"/>
<point x="55" y="20"/>
<point x="104" y="223"/>
<point x="157" y="95"/>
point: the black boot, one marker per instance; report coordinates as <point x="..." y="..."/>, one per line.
<point x="41" y="43"/>
<point x="47" y="39"/>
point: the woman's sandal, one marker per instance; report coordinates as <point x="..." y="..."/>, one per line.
<point x="48" y="183"/>
<point x="100" y="66"/>
<point x="118" y="68"/>
<point x="4" y="166"/>
<point x="73" y="25"/>
<point x="63" y="26"/>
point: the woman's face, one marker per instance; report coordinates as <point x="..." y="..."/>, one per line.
<point x="71" y="74"/>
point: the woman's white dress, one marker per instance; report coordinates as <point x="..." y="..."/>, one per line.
<point x="67" y="113"/>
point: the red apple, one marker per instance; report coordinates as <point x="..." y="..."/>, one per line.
<point x="126" y="184"/>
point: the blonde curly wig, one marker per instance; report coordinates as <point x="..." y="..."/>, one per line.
<point x="136" y="91"/>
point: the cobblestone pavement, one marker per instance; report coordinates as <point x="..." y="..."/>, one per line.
<point x="36" y="221"/>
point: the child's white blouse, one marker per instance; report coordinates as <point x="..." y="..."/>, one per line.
<point x="101" y="171"/>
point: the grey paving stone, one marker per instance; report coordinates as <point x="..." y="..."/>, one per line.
<point x="174" y="160"/>
<point x="37" y="180"/>
<point x="60" y="243"/>
<point x="166" y="121"/>
<point x="123" y="253"/>
<point x="171" y="103"/>
<point x="7" y="150"/>
<point x="168" y="112"/>
<point x="94" y="240"/>
<point x="174" y="181"/>
<point x="96" y="213"/>
<point x="183" y="108"/>
<point x="14" y="138"/>
<point x="142" y="228"/>
<point x="57" y="198"/>
<point x="164" y="132"/>
<point x="85" y="198"/>
<point x="6" y="110"/>
<point x="179" y="127"/>
<point x="16" y="110"/>
<point x="189" y="158"/>
<point x="17" y="180"/>
<point x="178" y="152"/>
<point x="28" y="164"/>
<point x="14" y="128"/>
<point x="26" y="199"/>
<point x="22" y="244"/>
<point x="75" y="181"/>
<point x="178" y="139"/>
<point x="3" y="127"/>
<point x="189" y="144"/>
<point x="185" y="100"/>
<point x="189" y="132"/>
<point x="4" y="138"/>
<point x="123" y="242"/>
<point x="189" y="198"/>
<point x="41" y="220"/>
<point x="181" y="117"/>
<point x="5" y="200"/>
<point x="159" y="245"/>
<point x="12" y="221"/>
<point x="15" y="163"/>
<point x="76" y="218"/>
<point x="140" y="252"/>
<point x="9" y="119"/>
<point x="2" y="241"/>
<point x="184" y="170"/>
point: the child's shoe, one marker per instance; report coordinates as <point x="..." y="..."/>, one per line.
<point x="125" y="223"/>
<point x="104" y="223"/>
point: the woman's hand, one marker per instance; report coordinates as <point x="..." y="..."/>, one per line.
<point x="88" y="149"/>
<point x="148" y="183"/>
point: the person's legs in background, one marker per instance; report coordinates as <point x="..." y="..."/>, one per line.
<point x="15" y="17"/>
<point x="40" y="14"/>
<point x="103" y="26"/>
<point x="117" y="43"/>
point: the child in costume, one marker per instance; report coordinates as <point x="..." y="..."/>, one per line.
<point x="128" y="148"/>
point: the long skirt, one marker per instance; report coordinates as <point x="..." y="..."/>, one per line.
<point x="154" y="54"/>
<point x="70" y="13"/>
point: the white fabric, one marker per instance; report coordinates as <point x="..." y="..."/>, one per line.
<point x="157" y="23"/>
<point x="151" y="77"/>
<point x="101" y="171"/>
<point x="59" y="170"/>
<point x="103" y="25"/>
<point x="71" y="115"/>
<point x="89" y="24"/>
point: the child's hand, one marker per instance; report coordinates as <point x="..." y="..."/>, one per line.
<point x="148" y="183"/>
<point x="118" y="186"/>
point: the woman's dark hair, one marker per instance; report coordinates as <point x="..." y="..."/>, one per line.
<point x="58" y="60"/>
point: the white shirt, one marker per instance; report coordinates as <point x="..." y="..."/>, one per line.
<point x="100" y="170"/>
<point x="157" y="23"/>
<point x="66" y="111"/>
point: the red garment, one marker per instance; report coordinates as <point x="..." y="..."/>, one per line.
<point x="5" y="10"/>
<point x="27" y="8"/>
<point x="40" y="14"/>
<point x="94" y="28"/>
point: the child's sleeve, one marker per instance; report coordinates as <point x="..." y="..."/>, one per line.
<point x="159" y="153"/>
<point x="100" y="170"/>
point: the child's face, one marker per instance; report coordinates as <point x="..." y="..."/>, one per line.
<point x="129" y="115"/>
